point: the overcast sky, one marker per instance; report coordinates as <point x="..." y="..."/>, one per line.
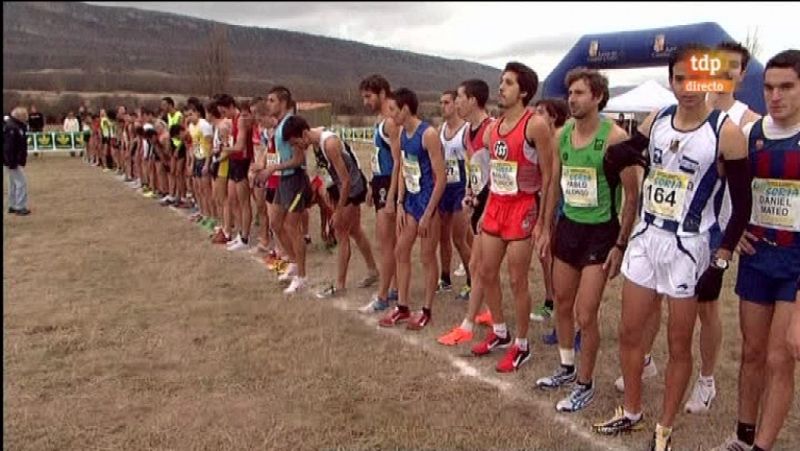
<point x="538" y="34"/>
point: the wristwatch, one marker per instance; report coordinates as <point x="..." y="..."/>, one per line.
<point x="720" y="263"/>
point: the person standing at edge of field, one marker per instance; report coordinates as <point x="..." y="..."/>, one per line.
<point x="453" y="135"/>
<point x="348" y="192"/>
<point x="769" y="266"/>
<point x="514" y="223"/>
<point x="669" y="250"/>
<point x="239" y="157"/>
<point x="294" y="191"/>
<point x="35" y="120"/>
<point x="470" y="104"/>
<point x="386" y="160"/>
<point x="417" y="206"/>
<point x="704" y="390"/>
<point x="589" y="239"/>
<point x="15" y="156"/>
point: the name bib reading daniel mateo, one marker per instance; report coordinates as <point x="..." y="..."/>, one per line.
<point x="579" y="186"/>
<point x="776" y="204"/>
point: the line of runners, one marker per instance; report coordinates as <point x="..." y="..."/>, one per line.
<point x="666" y="207"/>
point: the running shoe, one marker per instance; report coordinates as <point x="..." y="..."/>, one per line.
<point x="393" y="296"/>
<point x="618" y="423"/>
<point x="395" y="317"/>
<point x="580" y="397"/>
<point x="220" y="237"/>
<point x="298" y="283"/>
<point x="542" y="313"/>
<point x="368" y="281"/>
<point x="328" y="292"/>
<point x="463" y="294"/>
<point x="444" y="287"/>
<point x="484" y="318"/>
<point x="460" y="271"/>
<point x="490" y="343"/>
<point x="649" y="371"/>
<point x="551" y="338"/>
<point x="702" y="395"/>
<point x="280" y="267"/>
<point x="418" y="321"/>
<point x="562" y="376"/>
<point x="661" y="442"/>
<point x="733" y="444"/>
<point x="375" y="305"/>
<point x="515" y="357"/>
<point x="237" y="244"/>
<point x="456" y="336"/>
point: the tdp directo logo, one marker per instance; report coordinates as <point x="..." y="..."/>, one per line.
<point x="709" y="71"/>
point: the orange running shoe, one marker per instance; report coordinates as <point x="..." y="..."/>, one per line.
<point x="456" y="336"/>
<point x="220" y="238"/>
<point x="484" y="318"/>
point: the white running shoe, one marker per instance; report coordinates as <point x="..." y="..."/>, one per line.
<point x="460" y="271"/>
<point x="650" y="370"/>
<point x="237" y="244"/>
<point x="289" y="274"/>
<point x="298" y="283"/>
<point x="702" y="395"/>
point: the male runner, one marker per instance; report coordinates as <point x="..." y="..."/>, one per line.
<point x="470" y="105"/>
<point x="202" y="134"/>
<point x="375" y="92"/>
<point x="294" y="191"/>
<point x="521" y="148"/>
<point x="348" y="192"/>
<point x="454" y="222"/>
<point x="769" y="267"/>
<point x="669" y="249"/>
<point x="178" y="155"/>
<point x="589" y="240"/>
<point x="219" y="173"/>
<point x="238" y="156"/>
<point x="417" y="200"/>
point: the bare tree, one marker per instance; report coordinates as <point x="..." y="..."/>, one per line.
<point x="214" y="64"/>
<point x="752" y="43"/>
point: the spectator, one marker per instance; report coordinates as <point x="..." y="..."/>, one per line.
<point x="71" y="123"/>
<point x="15" y="155"/>
<point x="35" y="120"/>
<point x="81" y="113"/>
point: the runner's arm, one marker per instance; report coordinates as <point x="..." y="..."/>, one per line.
<point x="433" y="146"/>
<point x="555" y="194"/>
<point x="241" y="144"/>
<point x="393" y="131"/>
<point x="733" y="147"/>
<point x="538" y="131"/>
<point x="333" y="148"/>
<point x="629" y="178"/>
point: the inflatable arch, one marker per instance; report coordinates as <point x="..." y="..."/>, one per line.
<point x="650" y="48"/>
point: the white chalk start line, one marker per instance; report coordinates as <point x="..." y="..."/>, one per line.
<point x="463" y="367"/>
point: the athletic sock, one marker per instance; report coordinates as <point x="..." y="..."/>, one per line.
<point x="632" y="416"/>
<point x="758" y="448"/>
<point x="522" y="343"/>
<point x="500" y="330"/>
<point x="426" y="311"/>
<point x="446" y="278"/>
<point x="548" y="303"/>
<point x="587" y="386"/>
<point x="467" y="325"/>
<point x="662" y="431"/>
<point x="244" y="240"/>
<point x="402" y="308"/>
<point x="746" y="432"/>
<point x="469" y="281"/>
<point x="708" y="381"/>
<point x="567" y="358"/>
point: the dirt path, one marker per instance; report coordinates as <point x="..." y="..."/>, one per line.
<point x="125" y="329"/>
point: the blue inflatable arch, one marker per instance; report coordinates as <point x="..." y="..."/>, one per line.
<point x="649" y="48"/>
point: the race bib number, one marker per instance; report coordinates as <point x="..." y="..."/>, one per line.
<point x="504" y="177"/>
<point x="579" y="186"/>
<point x="776" y="204"/>
<point x="664" y="193"/>
<point x="376" y="165"/>
<point x="273" y="159"/>
<point x="475" y="177"/>
<point x="412" y="174"/>
<point x="453" y="171"/>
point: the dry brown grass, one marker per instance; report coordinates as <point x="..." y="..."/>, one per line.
<point x="125" y="329"/>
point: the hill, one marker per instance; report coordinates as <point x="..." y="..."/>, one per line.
<point x="81" y="47"/>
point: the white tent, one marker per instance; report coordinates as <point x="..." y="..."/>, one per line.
<point x="646" y="97"/>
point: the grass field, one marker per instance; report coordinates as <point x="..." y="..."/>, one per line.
<point x="124" y="328"/>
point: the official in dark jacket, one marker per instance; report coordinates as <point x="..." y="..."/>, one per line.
<point x="15" y="155"/>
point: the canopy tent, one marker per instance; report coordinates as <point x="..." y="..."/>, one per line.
<point x="644" y="98"/>
<point x="649" y="48"/>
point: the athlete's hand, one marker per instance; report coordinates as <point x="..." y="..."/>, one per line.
<point x="745" y="245"/>
<point x="401" y="219"/>
<point x="424" y="225"/>
<point x="336" y="218"/>
<point x="541" y="240"/>
<point x="370" y="203"/>
<point x="205" y="170"/>
<point x="391" y="209"/>
<point x="793" y="334"/>
<point x="613" y="262"/>
<point x="261" y="177"/>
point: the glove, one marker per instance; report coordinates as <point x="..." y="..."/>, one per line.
<point x="710" y="284"/>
